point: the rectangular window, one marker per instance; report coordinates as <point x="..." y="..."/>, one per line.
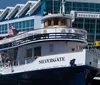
<point x="51" y="48"/>
<point x="64" y="22"/>
<point x="55" y="21"/>
<point x="16" y="25"/>
<point x="23" y="24"/>
<point x="19" y="24"/>
<point x="49" y="22"/>
<point x="31" y="23"/>
<point x="26" y="23"/>
<point x="37" y="51"/>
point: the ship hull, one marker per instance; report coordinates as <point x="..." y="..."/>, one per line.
<point x="78" y="75"/>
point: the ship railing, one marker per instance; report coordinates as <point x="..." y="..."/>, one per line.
<point x="44" y="37"/>
<point x="44" y="31"/>
<point x="19" y="62"/>
<point x="26" y="61"/>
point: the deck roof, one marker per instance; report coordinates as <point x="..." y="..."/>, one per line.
<point x="5" y="12"/>
<point x="33" y="8"/>
<point x="24" y="8"/>
<point x="13" y="11"/>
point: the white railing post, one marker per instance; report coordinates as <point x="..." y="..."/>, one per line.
<point x="25" y="61"/>
<point x="18" y="63"/>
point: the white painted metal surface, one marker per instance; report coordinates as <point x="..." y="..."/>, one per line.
<point x="37" y="65"/>
<point x="34" y="7"/>
<point x="7" y="10"/>
<point x="27" y="5"/>
<point x="16" y="8"/>
<point x="52" y="61"/>
<point x="57" y="15"/>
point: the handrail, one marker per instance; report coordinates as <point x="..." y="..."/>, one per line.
<point x="44" y="37"/>
<point x="43" y="31"/>
<point x="18" y="62"/>
<point x="25" y="60"/>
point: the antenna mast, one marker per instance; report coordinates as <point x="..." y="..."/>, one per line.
<point x="62" y="7"/>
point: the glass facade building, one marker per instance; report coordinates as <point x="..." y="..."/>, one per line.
<point x="91" y="25"/>
<point x="24" y="25"/>
<point x="21" y="17"/>
<point x="20" y="26"/>
<point x="54" y="6"/>
<point x="3" y="29"/>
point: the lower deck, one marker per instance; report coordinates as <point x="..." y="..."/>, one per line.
<point x="79" y="75"/>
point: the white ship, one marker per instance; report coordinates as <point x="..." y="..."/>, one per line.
<point x="52" y="55"/>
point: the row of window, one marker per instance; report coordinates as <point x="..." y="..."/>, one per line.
<point x="87" y="23"/>
<point x="20" y="26"/>
<point x="57" y="21"/>
<point x="91" y="25"/>
<point x="37" y="51"/>
<point x="23" y="24"/>
<point x="54" y="6"/>
<point x="3" y="29"/>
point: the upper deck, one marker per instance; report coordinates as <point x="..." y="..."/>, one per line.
<point x="41" y="35"/>
<point x="55" y="27"/>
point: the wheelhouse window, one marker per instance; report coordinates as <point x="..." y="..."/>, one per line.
<point x="49" y="22"/>
<point x="64" y="22"/>
<point x="37" y="51"/>
<point x="56" y="21"/>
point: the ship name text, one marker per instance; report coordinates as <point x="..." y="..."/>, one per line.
<point x="52" y="60"/>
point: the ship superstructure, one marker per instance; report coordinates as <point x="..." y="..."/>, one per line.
<point x="53" y="53"/>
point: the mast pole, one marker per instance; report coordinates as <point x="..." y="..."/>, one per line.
<point x="62" y="7"/>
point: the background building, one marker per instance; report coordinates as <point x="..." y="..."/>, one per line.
<point x="90" y="9"/>
<point x="27" y="16"/>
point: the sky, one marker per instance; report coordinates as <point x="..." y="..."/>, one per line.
<point x="6" y="3"/>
